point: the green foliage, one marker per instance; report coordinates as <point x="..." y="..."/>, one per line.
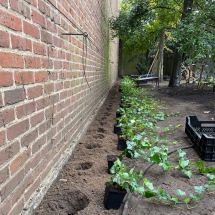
<point x="138" y="123"/>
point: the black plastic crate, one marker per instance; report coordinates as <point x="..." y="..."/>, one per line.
<point x="202" y="135"/>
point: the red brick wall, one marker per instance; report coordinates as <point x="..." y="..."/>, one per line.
<point x="45" y="102"/>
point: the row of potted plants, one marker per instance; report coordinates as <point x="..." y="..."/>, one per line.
<point x="137" y="137"/>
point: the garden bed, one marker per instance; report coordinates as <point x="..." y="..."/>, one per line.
<point x="79" y="188"/>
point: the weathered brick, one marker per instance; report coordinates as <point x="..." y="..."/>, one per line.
<point x="25" y="109"/>
<point x="6" y="79"/>
<point x="34" y="92"/>
<point x="17" y="194"/>
<point x="17" y="129"/>
<point x="14" y="96"/>
<point x="45" y="126"/>
<point x="11" y="21"/>
<point x="49" y="88"/>
<point x="38" y="144"/>
<point x="39" y="48"/>
<point x="31" y="29"/>
<point x="2" y="138"/>
<point x="46" y="37"/>
<point x="33" y="187"/>
<point x="24" y="78"/>
<point x="41" y="76"/>
<point x="6" y="116"/>
<point x="5" y="206"/>
<point x="20" y="7"/>
<point x="38" y="118"/>
<point x="42" y="103"/>
<point x="4" y="174"/>
<point x="33" y="162"/>
<point x="11" y="60"/>
<point x="18" y="161"/>
<point x="4" y="3"/>
<point x="38" y="18"/>
<point x="4" y="42"/>
<point x="9" y="151"/>
<point x="32" y="2"/>
<point x="57" y="64"/>
<point x="21" y="43"/>
<point x="18" y="207"/>
<point x="29" y="138"/>
<point x="46" y="63"/>
<point x="1" y="100"/>
<point x="32" y="62"/>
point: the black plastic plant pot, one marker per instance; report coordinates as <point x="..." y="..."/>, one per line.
<point x="113" y="196"/>
<point x="121" y="144"/>
<point x="117" y="129"/>
<point x="118" y="114"/>
<point x="111" y="159"/>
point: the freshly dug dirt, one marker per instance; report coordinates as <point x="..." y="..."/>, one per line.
<point x="79" y="188"/>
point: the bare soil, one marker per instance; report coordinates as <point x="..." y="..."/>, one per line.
<point x="79" y="188"/>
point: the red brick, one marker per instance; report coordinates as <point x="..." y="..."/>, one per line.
<point x="11" y="60"/>
<point x="21" y="43"/>
<point x="32" y="189"/>
<point x="34" y="92"/>
<point x="4" y="3"/>
<point x="32" y="62"/>
<point x="41" y="76"/>
<point x="49" y="88"/>
<point x="38" y="144"/>
<point x="2" y="138"/>
<point x="46" y="63"/>
<point x="4" y="174"/>
<point x="31" y="29"/>
<point x="24" y="78"/>
<point x="39" y="48"/>
<point x="51" y="27"/>
<point x="6" y="116"/>
<point x="25" y="109"/>
<point x="17" y="162"/>
<point x="45" y="126"/>
<point x="10" y="21"/>
<point x="18" y="207"/>
<point x="38" y="18"/>
<point x="57" y="64"/>
<point x="17" y="129"/>
<point x="1" y="100"/>
<point x="42" y="103"/>
<point x="46" y="37"/>
<point x="5" y="206"/>
<point x="4" y="42"/>
<point x="52" y="52"/>
<point x="29" y="138"/>
<point x="38" y="118"/>
<point x="14" y="96"/>
<point x="9" y="151"/>
<point x="18" y="193"/>
<point x="32" y="2"/>
<point x="6" y="79"/>
<point x="33" y="162"/>
<point x="20" y="7"/>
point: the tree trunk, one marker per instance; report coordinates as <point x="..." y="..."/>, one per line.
<point x="160" y="56"/>
<point x="176" y="69"/>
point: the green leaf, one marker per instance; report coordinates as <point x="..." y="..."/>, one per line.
<point x="180" y="192"/>
<point x="187" y="200"/>
<point x="166" y="129"/>
<point x="184" y="163"/>
<point x="196" y="197"/>
<point x="149" y="194"/>
<point x="181" y="153"/>
<point x="187" y="172"/>
<point x="175" y="199"/>
<point x="148" y="184"/>
<point x="140" y="190"/>
<point x="199" y="189"/>
<point x="211" y="177"/>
